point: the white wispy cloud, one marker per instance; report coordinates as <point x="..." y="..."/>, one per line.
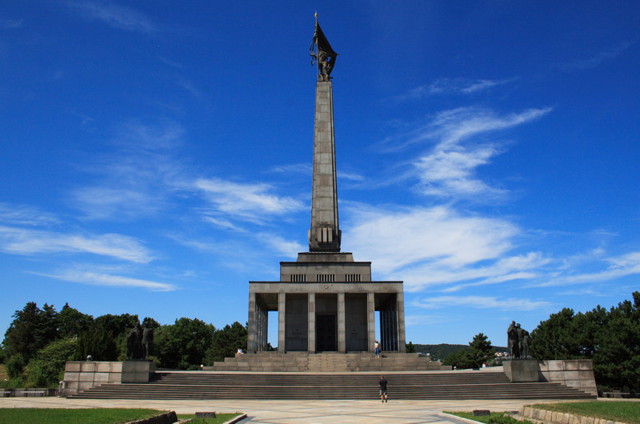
<point x="31" y="242"/>
<point x="481" y="302"/>
<point x="294" y="168"/>
<point x="599" y="58"/>
<point x="11" y="23"/>
<point x="350" y="176"/>
<point x="190" y="87"/>
<point x="116" y="16"/>
<point x="288" y="248"/>
<point x="614" y="267"/>
<point x="136" y="178"/>
<point x="451" y="172"/>
<point x="462" y="86"/>
<point x="25" y="215"/>
<point x="451" y="127"/>
<point x="252" y="202"/>
<point x="108" y="280"/>
<point x="396" y="239"/>
<point x="222" y="223"/>
<point x="448" y="167"/>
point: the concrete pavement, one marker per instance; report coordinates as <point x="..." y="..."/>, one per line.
<point x="289" y="412"/>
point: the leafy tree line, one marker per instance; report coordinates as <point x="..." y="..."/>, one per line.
<point x="40" y="340"/>
<point x="611" y="338"/>
<point x="479" y="353"/>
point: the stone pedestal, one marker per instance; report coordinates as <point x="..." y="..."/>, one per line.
<point x="575" y="373"/>
<point x="522" y="370"/>
<point x="84" y="375"/>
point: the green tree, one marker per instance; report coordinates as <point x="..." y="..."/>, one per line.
<point x="460" y="359"/>
<point x="480" y="350"/>
<point x="557" y="337"/>
<point x="148" y="322"/>
<point x="183" y="345"/>
<point x="410" y="348"/>
<point x="31" y="329"/>
<point x="100" y="343"/>
<point x="616" y="360"/>
<point x="72" y="322"/>
<point x="226" y="342"/>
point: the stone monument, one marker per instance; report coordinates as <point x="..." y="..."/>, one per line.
<point x="326" y="301"/>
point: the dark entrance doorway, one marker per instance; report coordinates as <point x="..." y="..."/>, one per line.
<point x="326" y="333"/>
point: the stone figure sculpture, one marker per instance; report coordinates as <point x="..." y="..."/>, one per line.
<point x="512" y="340"/>
<point x="147" y="342"/>
<point x="322" y="53"/>
<point x="139" y="343"/>
<point x="134" y="345"/>
<point x="524" y="349"/>
<point x="518" y="341"/>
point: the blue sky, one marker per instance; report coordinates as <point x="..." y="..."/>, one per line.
<point x="156" y="156"/>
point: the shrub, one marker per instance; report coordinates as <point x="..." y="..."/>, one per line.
<point x="47" y="368"/>
<point x="15" y="366"/>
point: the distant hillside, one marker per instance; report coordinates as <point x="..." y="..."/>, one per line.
<point x="441" y="351"/>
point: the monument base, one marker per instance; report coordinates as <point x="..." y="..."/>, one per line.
<point x="575" y="373"/>
<point x="522" y="370"/>
<point x="84" y="375"/>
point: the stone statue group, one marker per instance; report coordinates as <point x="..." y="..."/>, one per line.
<point x="518" y="339"/>
<point x="139" y="343"/>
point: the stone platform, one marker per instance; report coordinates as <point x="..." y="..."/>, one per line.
<point x="425" y="385"/>
<point x="326" y="362"/>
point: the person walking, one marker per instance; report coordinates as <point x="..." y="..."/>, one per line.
<point x="376" y="349"/>
<point x="383" y="389"/>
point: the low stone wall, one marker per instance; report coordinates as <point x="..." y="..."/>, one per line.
<point x="84" y="375"/>
<point x="28" y="392"/>
<point x="575" y="373"/>
<point x="553" y="417"/>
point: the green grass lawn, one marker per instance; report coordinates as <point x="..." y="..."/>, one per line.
<point x="73" y="416"/>
<point x="93" y="416"/>
<point x="628" y="412"/>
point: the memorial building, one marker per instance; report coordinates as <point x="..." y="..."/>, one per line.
<point x="325" y="300"/>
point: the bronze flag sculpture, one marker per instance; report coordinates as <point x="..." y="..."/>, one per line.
<point x="322" y="53"/>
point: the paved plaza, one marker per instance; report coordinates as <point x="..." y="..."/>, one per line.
<point x="289" y="412"/>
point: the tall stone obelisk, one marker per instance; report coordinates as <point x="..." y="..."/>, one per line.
<point x="324" y="235"/>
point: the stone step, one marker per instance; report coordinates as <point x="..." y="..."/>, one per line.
<point x="304" y="362"/>
<point x="433" y="385"/>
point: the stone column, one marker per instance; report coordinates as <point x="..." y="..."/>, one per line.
<point x="324" y="235"/>
<point x="342" y="331"/>
<point x="282" y="314"/>
<point x="312" y="323"/>
<point x="252" y="336"/>
<point x="401" y="329"/>
<point x="371" y="320"/>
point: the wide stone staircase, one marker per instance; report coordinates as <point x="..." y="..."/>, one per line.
<point x="326" y="362"/>
<point x="428" y="385"/>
